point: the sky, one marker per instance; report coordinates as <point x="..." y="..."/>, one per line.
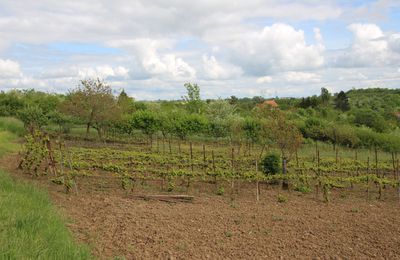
<point x="150" y="48"/>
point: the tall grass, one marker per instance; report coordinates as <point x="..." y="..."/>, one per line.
<point x="12" y="125"/>
<point x="30" y="228"/>
<point x="6" y="143"/>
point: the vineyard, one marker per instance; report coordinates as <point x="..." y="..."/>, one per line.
<point x="219" y="168"/>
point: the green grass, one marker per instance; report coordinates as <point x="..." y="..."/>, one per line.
<point x="30" y="227"/>
<point x="12" y="125"/>
<point x="6" y="143"/>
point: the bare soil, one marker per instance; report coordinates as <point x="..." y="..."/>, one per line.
<point x="117" y="224"/>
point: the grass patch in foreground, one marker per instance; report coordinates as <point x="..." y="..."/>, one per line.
<point x="30" y="228"/>
<point x="6" y="143"/>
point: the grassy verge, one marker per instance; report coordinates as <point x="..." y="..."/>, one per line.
<point x="30" y="227"/>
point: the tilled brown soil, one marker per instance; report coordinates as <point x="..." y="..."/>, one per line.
<point x="215" y="227"/>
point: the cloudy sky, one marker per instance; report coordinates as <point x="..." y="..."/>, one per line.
<point x="151" y="48"/>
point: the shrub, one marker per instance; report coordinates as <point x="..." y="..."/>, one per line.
<point x="282" y="199"/>
<point x="271" y="164"/>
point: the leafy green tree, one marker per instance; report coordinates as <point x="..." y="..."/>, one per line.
<point x="126" y="103"/>
<point x="147" y="121"/>
<point x="93" y="103"/>
<point x="33" y="118"/>
<point x="325" y="96"/>
<point x="271" y="164"/>
<point x="194" y="104"/>
<point x="10" y="103"/>
<point x="251" y="129"/>
<point x="285" y="134"/>
<point x="342" y="102"/>
<point x="187" y="124"/>
<point x="371" y="119"/>
<point x="219" y="113"/>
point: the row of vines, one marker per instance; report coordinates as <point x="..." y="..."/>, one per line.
<point x="133" y="166"/>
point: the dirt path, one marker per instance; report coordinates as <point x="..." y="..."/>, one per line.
<point x="213" y="227"/>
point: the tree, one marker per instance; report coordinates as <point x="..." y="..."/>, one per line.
<point x="193" y="100"/>
<point x="371" y="119"/>
<point x="342" y="101"/>
<point x="325" y="96"/>
<point x="233" y="100"/>
<point x="32" y="117"/>
<point x="93" y="103"/>
<point x="285" y="134"/>
<point x="147" y="121"/>
<point x="126" y="103"/>
<point x="187" y="124"/>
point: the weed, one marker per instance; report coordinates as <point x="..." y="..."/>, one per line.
<point x="220" y="191"/>
<point x="282" y="198"/>
<point x="277" y="218"/>
<point x="228" y="234"/>
<point x="303" y="189"/>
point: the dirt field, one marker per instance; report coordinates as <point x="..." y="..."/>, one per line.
<point x="214" y="227"/>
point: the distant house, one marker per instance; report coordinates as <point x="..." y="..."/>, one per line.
<point x="269" y="103"/>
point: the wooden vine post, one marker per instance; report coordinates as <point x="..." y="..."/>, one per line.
<point x="163" y="143"/>
<point x="213" y="165"/>
<point x="191" y="156"/>
<point x="368" y="171"/>
<point x="376" y="161"/>
<point x="394" y="165"/>
<point x="232" y="166"/>
<point x="336" y="156"/>
<point x="257" y="184"/>
<point x="318" y="185"/>
<point x="398" y="178"/>
<point x="204" y="158"/>
<point x="158" y="144"/>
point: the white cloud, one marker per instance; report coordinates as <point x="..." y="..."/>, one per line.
<point x="166" y="65"/>
<point x="159" y="45"/>
<point x="215" y="70"/>
<point x="103" y="72"/>
<point x="301" y="77"/>
<point x="265" y="79"/>
<point x="275" y="48"/>
<point x="371" y="47"/>
<point x="9" y="69"/>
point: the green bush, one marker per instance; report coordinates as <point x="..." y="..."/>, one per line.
<point x="271" y="164"/>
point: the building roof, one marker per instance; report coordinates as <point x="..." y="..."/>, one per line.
<point x="271" y="103"/>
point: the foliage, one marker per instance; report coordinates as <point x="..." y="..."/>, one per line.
<point x="342" y="101"/>
<point x="33" y="118"/>
<point x="271" y="164"/>
<point x="35" y="152"/>
<point x="282" y="198"/>
<point x="370" y="118"/>
<point x="147" y="121"/>
<point x="285" y="134"/>
<point x="12" y="125"/>
<point x="193" y="100"/>
<point x="93" y="103"/>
